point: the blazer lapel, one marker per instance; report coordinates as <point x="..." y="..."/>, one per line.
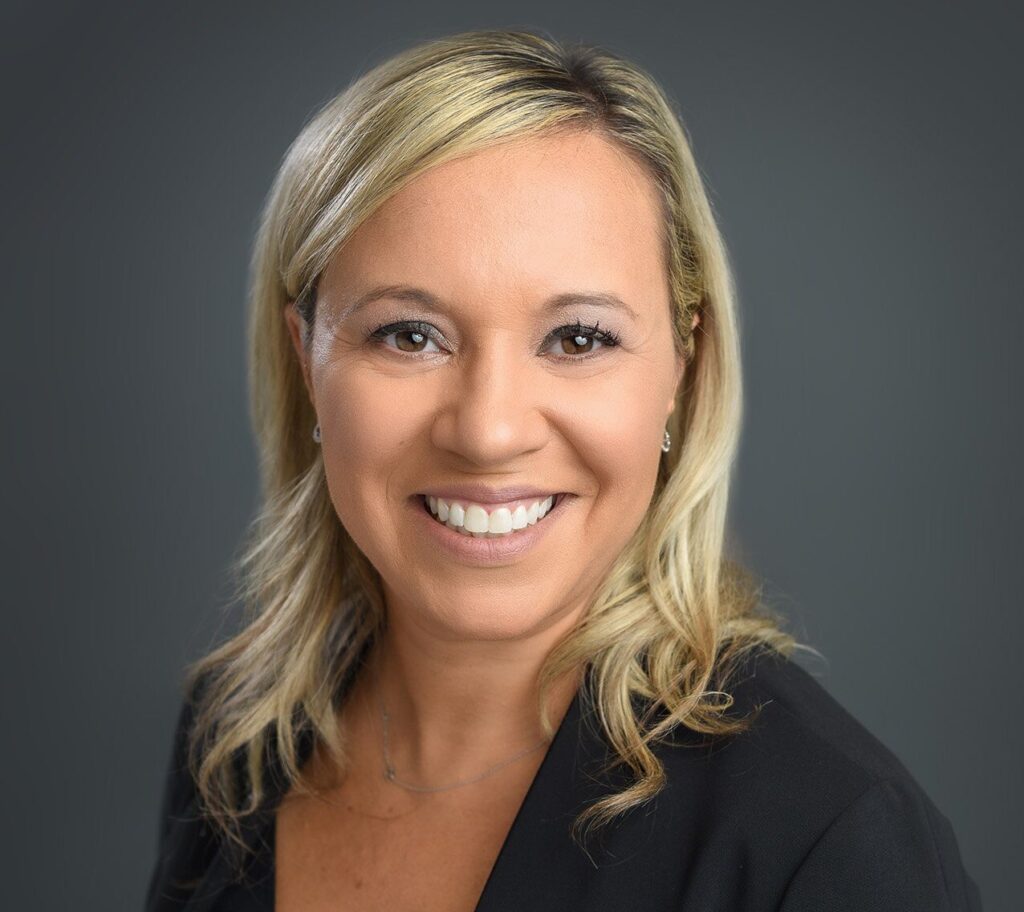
<point x="539" y="867"/>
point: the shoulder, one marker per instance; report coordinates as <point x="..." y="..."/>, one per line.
<point x="889" y="845"/>
<point x="179" y="787"/>
<point x="194" y="857"/>
<point x="821" y="791"/>
<point x="799" y="725"/>
<point x="185" y="841"/>
<point x="800" y="761"/>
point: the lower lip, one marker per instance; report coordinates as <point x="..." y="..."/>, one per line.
<point x="488" y="552"/>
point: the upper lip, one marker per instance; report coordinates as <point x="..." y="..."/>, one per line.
<point x="478" y="493"/>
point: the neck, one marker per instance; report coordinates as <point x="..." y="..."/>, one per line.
<point x="457" y="707"/>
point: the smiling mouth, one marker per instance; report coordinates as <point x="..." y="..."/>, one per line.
<point x="520" y="518"/>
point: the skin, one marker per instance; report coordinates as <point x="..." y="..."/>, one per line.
<point x="492" y="235"/>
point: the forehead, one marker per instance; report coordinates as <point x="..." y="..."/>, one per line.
<point x="536" y="215"/>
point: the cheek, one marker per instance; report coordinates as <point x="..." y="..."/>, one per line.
<point x="618" y="433"/>
<point x="363" y="436"/>
<point x="617" y="437"/>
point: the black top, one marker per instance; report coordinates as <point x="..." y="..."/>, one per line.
<point x="804" y="812"/>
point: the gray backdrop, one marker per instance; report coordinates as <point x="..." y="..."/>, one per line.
<point x="864" y="160"/>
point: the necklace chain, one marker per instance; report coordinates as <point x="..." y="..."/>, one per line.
<point x="389" y="767"/>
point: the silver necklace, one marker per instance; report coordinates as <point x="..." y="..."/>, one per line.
<point x="389" y="767"/>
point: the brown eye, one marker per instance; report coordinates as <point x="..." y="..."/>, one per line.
<point x="576" y="345"/>
<point x="412" y="341"/>
<point x="576" y="341"/>
<point x="409" y="337"/>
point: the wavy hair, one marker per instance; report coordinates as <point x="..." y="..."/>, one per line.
<point x="674" y="614"/>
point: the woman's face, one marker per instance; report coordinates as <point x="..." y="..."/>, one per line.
<point x="495" y="258"/>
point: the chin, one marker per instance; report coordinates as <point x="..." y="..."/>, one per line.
<point x="476" y="616"/>
<point x="490" y="611"/>
<point x="494" y="623"/>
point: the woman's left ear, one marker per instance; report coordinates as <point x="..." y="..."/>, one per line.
<point x="680" y="367"/>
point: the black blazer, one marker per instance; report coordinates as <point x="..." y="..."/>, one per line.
<point x="805" y="812"/>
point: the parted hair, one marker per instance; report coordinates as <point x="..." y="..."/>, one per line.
<point x="674" y="615"/>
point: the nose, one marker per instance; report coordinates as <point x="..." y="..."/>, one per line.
<point x="494" y="412"/>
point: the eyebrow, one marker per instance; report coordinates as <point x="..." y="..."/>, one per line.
<point x="431" y="302"/>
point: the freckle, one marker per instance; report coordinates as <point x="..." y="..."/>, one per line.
<point x="358" y="884"/>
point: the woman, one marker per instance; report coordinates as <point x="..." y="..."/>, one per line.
<point x="498" y="658"/>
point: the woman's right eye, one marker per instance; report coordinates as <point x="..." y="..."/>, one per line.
<point x="410" y="336"/>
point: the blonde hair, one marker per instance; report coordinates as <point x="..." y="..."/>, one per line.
<point x="673" y="616"/>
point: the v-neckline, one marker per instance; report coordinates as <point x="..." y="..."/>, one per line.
<point x="557" y="758"/>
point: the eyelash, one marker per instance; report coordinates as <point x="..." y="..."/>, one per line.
<point x="606" y="337"/>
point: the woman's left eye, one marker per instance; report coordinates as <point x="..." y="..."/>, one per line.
<point x="411" y="336"/>
<point x="577" y="335"/>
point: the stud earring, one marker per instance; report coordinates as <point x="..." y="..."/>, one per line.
<point x="667" y="443"/>
<point x="316" y="433"/>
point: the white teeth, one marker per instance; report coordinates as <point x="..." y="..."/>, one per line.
<point x="520" y="519"/>
<point x="476" y="521"/>
<point x="456" y="515"/>
<point x="533" y="513"/>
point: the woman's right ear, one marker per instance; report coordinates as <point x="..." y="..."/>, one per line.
<point x="296" y="325"/>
